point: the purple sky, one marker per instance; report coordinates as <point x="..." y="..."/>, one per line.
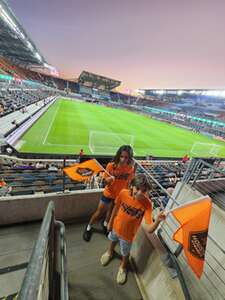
<point x="144" y="43"/>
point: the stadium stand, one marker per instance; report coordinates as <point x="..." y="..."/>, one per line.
<point x="26" y="178"/>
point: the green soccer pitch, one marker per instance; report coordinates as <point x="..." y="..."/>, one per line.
<point x="68" y="126"/>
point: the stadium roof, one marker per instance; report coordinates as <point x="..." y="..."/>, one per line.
<point x="181" y="92"/>
<point x="97" y="81"/>
<point x="15" y="43"/>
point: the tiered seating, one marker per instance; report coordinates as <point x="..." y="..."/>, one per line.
<point x="14" y="96"/>
<point x="168" y="174"/>
<point x="26" y="180"/>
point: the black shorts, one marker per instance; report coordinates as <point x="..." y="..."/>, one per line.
<point x="106" y="200"/>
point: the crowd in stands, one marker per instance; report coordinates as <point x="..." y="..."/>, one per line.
<point x="18" y="73"/>
<point x="15" y="97"/>
<point x="29" y="178"/>
<point x="197" y="126"/>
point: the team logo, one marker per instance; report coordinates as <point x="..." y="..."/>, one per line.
<point x="197" y="243"/>
<point x="84" y="171"/>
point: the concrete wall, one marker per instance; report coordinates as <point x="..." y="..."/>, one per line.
<point x="212" y="283"/>
<point x="68" y="206"/>
<point x="153" y="277"/>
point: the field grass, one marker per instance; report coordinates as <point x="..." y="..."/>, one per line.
<point x="66" y="126"/>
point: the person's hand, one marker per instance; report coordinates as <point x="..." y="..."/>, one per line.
<point x="161" y="216"/>
<point x="110" y="179"/>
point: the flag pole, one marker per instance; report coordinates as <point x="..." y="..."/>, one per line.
<point x="102" y="167"/>
<point x="188" y="203"/>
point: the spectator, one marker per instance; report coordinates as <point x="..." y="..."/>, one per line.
<point x="4" y="188"/>
<point x="185" y="158"/>
<point x="39" y="165"/>
<point x="166" y="198"/>
<point x="81" y="154"/>
<point x="52" y="168"/>
<point x="131" y="206"/>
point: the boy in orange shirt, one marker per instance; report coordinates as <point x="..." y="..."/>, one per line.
<point x="130" y="208"/>
<point x="118" y="176"/>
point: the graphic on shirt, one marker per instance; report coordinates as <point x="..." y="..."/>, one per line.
<point x="132" y="211"/>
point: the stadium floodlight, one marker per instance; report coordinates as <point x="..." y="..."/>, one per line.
<point x="160" y="92"/>
<point x="52" y="69"/>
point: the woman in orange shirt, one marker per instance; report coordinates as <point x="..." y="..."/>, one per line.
<point x="130" y="208"/>
<point x="119" y="173"/>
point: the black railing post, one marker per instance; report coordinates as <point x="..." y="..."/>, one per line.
<point x="64" y="177"/>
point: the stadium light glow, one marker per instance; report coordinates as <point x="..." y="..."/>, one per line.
<point x="37" y="55"/>
<point x="30" y="46"/>
<point x="138" y="91"/>
<point x="160" y="92"/>
<point x="11" y="24"/>
<point x="180" y="93"/>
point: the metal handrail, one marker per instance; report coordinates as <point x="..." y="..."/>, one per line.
<point x="51" y="243"/>
<point x="193" y="165"/>
<point x="176" y="266"/>
<point x="31" y="280"/>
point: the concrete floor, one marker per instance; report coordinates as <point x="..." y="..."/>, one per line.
<point x="87" y="278"/>
<point x="16" y="244"/>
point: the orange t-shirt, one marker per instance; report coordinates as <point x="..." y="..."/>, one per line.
<point x="130" y="214"/>
<point x="2" y="183"/>
<point x="123" y="175"/>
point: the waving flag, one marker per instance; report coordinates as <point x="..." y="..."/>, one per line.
<point x="192" y="234"/>
<point x="83" y="171"/>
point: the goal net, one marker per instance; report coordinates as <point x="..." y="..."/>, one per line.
<point x="102" y="142"/>
<point x="205" y="149"/>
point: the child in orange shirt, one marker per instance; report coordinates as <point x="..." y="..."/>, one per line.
<point x="119" y="173"/>
<point x="130" y="208"/>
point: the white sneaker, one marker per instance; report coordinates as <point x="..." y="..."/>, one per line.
<point x="121" y="276"/>
<point x="105" y="259"/>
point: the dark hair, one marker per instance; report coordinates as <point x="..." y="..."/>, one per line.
<point x="129" y="151"/>
<point x="141" y="181"/>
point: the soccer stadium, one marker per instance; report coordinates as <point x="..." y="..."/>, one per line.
<point x="63" y="143"/>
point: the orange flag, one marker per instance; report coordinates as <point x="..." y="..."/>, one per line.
<point x="192" y="234"/>
<point x="83" y="171"/>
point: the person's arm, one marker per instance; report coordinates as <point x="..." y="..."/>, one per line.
<point x="113" y="215"/>
<point x="108" y="178"/>
<point x="114" y="212"/>
<point x="152" y="227"/>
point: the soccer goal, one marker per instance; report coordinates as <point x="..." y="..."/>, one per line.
<point x="103" y="142"/>
<point x="205" y="149"/>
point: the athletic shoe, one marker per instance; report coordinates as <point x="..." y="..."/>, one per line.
<point x="105" y="259"/>
<point x="105" y="231"/>
<point x="121" y="276"/>
<point x="87" y="234"/>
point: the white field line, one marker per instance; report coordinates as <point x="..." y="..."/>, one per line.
<point x="67" y="145"/>
<point x="50" y="126"/>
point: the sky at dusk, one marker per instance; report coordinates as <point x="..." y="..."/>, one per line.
<point x="144" y="43"/>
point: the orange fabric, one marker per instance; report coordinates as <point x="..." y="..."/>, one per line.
<point x="192" y="234"/>
<point x="83" y="171"/>
<point x="122" y="174"/>
<point x="130" y="214"/>
<point x="2" y="183"/>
